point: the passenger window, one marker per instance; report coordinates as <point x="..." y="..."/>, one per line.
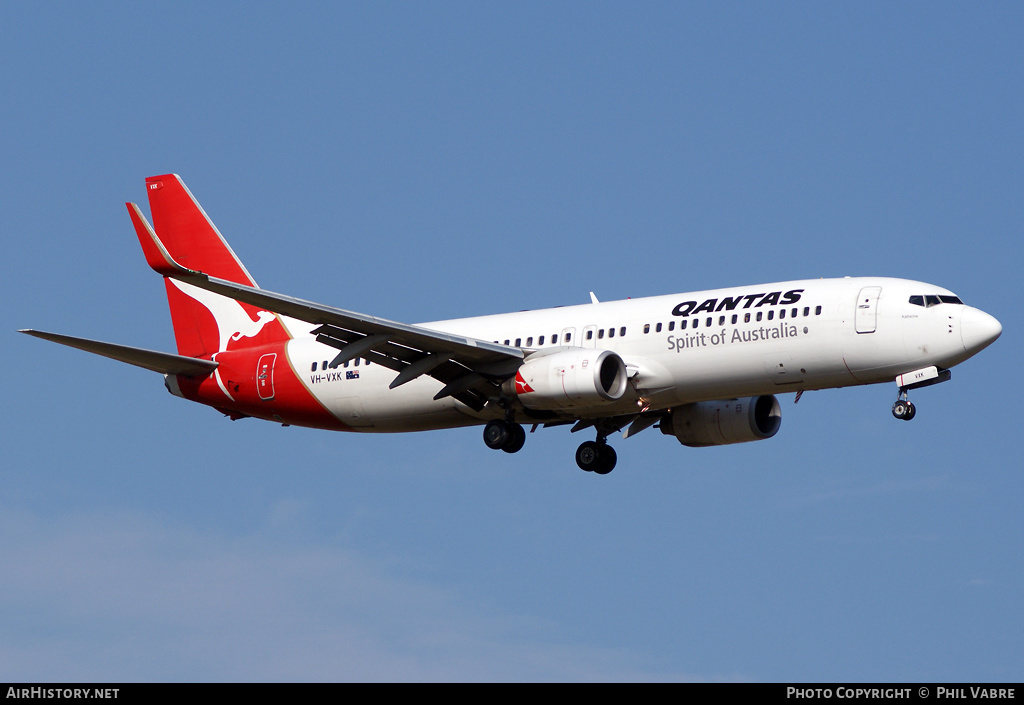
<point x="708" y="322"/>
<point x="657" y="328"/>
<point x="590" y="335"/>
<point x="807" y="311"/>
<point x="817" y="310"/>
<point x="721" y="320"/>
<point x="529" y="342"/>
<point x="671" y="325"/>
<point x="696" y="321"/>
<point x="568" y="337"/>
<point x="541" y="341"/>
<point x="782" y="313"/>
<point x="622" y="331"/>
<point x="325" y="365"/>
<point x="314" y="367"/>
<point x="734" y="318"/>
<point x="611" y="332"/>
<point x="357" y="362"/>
<point x="794" y="312"/>
<point x="759" y="315"/>
<point x="647" y="328"/>
<point x="771" y="315"/>
<point x="600" y="334"/>
<point x="682" y="324"/>
<point x="746" y="318"/>
<point x="519" y="342"/>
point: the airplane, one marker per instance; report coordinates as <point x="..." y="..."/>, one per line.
<point x="705" y="367"/>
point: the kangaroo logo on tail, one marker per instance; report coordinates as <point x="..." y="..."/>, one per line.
<point x="204" y="323"/>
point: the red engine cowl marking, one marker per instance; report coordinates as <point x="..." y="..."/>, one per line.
<point x="521" y="386"/>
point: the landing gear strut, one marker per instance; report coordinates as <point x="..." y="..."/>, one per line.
<point x="504" y="435"/>
<point x="903" y="409"/>
<point x="596" y="456"/>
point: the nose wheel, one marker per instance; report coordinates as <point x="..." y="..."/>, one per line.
<point x="903" y="409"/>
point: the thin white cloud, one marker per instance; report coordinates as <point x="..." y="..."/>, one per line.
<point x="128" y="598"/>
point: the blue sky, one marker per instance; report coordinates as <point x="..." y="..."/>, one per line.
<point x="429" y="161"/>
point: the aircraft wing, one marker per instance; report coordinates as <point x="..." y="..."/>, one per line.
<point x="470" y="369"/>
<point x="166" y="363"/>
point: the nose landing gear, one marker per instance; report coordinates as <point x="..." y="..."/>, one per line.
<point x="903" y="409"/>
<point x="924" y="377"/>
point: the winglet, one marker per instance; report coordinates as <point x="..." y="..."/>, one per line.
<point x="157" y="256"/>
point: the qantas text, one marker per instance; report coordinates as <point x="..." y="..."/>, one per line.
<point x="731" y="303"/>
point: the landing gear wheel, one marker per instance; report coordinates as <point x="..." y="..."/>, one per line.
<point x="608" y="460"/>
<point x="904" y="410"/>
<point x="592" y="456"/>
<point x="588" y="456"/>
<point x="516" y="439"/>
<point x="497" y="434"/>
<point x="502" y="435"/>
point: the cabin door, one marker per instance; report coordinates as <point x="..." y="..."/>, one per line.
<point x="867" y="309"/>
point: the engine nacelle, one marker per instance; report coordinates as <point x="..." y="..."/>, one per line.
<point x="718" y="423"/>
<point x="569" y="379"/>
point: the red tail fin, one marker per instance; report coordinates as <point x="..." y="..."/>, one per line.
<point x="187" y="232"/>
<point x="204" y="323"/>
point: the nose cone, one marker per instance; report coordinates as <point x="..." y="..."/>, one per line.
<point x="978" y="329"/>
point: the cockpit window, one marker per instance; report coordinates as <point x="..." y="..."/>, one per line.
<point x="934" y="300"/>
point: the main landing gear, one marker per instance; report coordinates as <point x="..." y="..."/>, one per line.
<point x="592" y="456"/>
<point x="504" y="435"/>
<point x="903" y="409"/>
<point x="596" y="456"/>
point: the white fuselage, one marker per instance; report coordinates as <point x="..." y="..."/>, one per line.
<point x="683" y="348"/>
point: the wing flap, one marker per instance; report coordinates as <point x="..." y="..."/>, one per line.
<point x="400" y="343"/>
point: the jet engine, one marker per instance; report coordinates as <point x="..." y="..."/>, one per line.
<point x="569" y="379"/>
<point x="718" y="423"/>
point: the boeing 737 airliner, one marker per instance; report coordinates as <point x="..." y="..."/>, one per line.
<point x="703" y="366"/>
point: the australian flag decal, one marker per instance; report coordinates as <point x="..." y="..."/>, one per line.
<point x="352" y="374"/>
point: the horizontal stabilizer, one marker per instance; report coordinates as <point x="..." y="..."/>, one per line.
<point x="149" y="359"/>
